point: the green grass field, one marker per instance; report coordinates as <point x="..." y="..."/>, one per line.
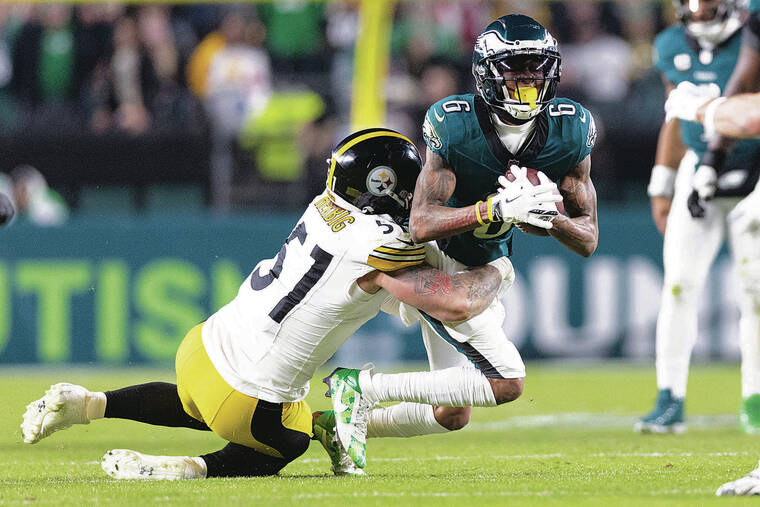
<point x="567" y="441"/>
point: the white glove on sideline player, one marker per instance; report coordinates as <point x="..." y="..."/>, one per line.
<point x="685" y="100"/>
<point x="705" y="182"/>
<point x="521" y="201"/>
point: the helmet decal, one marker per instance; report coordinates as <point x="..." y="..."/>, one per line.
<point x="491" y="43"/>
<point x="381" y="180"/>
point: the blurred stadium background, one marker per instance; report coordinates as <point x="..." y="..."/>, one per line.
<point x="159" y="151"/>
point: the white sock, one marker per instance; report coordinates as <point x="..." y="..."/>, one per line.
<point x="749" y="343"/>
<point x="676" y="336"/>
<point x="96" y="405"/>
<point x="403" y="420"/>
<point x="452" y="387"/>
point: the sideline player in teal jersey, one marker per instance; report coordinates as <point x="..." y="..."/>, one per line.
<point x="737" y="116"/>
<point x="703" y="48"/>
<point x="463" y="201"/>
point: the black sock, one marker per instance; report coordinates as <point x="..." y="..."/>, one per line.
<point x="153" y="403"/>
<point x="239" y="461"/>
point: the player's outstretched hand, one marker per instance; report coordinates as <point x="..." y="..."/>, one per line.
<point x="685" y="100"/>
<point x="521" y="201"/>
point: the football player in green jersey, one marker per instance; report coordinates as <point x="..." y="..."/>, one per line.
<point x="463" y="200"/>
<point x="706" y="209"/>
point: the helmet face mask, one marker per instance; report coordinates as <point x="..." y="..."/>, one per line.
<point x="374" y="171"/>
<point x="517" y="67"/>
<point x="719" y="21"/>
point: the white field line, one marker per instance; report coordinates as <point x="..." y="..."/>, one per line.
<point x="553" y="456"/>
<point x="470" y="494"/>
<point x="591" y="420"/>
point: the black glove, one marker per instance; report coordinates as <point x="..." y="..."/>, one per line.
<point x="695" y="205"/>
<point x="6" y="209"/>
<point x="705" y="181"/>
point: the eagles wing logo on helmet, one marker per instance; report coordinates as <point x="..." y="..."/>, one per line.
<point x="381" y="180"/>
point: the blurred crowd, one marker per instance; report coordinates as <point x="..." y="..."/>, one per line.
<point x="269" y="84"/>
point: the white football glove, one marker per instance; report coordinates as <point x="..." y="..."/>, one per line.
<point x="686" y="98"/>
<point x="747" y="485"/>
<point x="520" y="201"/>
<point x="705" y="182"/>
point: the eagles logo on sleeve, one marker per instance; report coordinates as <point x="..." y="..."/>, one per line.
<point x="430" y="135"/>
<point x="591" y="136"/>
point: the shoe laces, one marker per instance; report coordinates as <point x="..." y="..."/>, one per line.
<point x="360" y="417"/>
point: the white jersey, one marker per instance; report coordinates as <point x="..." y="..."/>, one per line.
<point x="293" y="311"/>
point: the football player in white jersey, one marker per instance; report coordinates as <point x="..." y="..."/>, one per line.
<point x="737" y="116"/>
<point x="696" y="210"/>
<point x="244" y="372"/>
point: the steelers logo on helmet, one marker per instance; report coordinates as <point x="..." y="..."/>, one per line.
<point x="381" y="180"/>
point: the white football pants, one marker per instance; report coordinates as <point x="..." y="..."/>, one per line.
<point x="690" y="247"/>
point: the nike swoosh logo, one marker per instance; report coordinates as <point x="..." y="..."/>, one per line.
<point x="583" y="116"/>
<point x="439" y="118"/>
<point x="410" y="243"/>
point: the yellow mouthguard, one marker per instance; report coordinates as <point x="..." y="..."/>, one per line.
<point x="528" y="94"/>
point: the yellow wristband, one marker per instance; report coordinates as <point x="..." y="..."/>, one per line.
<point x="477" y="213"/>
<point x="490" y="210"/>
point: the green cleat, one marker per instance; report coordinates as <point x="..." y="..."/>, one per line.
<point x="749" y="415"/>
<point x="666" y="417"/>
<point x="351" y="413"/>
<point x="324" y="431"/>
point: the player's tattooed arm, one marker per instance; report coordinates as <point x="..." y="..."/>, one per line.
<point x="446" y="297"/>
<point x="430" y="218"/>
<point x="579" y="231"/>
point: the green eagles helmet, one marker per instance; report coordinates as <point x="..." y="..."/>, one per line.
<point x="726" y="19"/>
<point x="516" y="49"/>
<point x="375" y="170"/>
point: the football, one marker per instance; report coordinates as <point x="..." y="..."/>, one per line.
<point x="533" y="178"/>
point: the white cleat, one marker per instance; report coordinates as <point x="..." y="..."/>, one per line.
<point x="325" y="432"/>
<point x="62" y="406"/>
<point x="746" y="486"/>
<point x="126" y="464"/>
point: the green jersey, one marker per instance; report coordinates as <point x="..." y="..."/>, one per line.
<point x="459" y="130"/>
<point x="679" y="57"/>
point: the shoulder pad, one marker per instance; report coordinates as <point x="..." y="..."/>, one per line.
<point x="396" y="254"/>
<point x="445" y="121"/>
<point x="576" y="126"/>
<point x="667" y="44"/>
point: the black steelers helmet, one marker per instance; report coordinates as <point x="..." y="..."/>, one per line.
<point x="375" y="170"/>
